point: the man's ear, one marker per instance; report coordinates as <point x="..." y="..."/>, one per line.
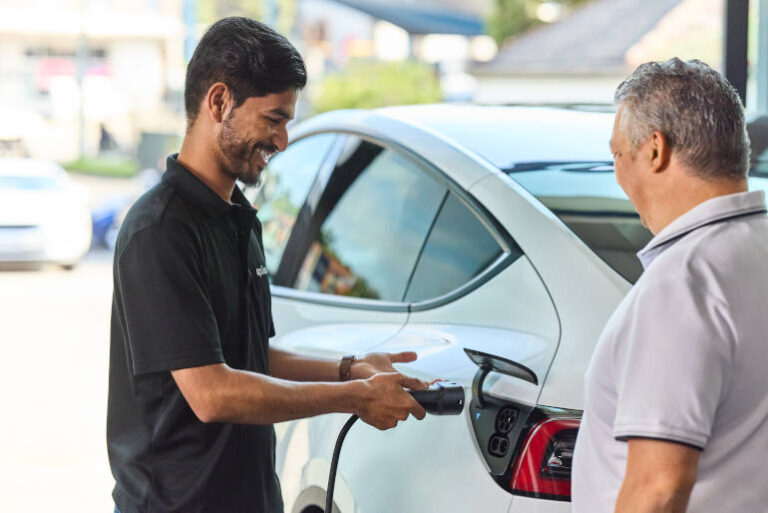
<point x="660" y="152"/>
<point x="218" y="102"/>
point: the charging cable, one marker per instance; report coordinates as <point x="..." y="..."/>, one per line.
<point x="440" y="399"/>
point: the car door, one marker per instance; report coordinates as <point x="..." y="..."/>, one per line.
<point x="340" y="283"/>
<point x="472" y="288"/>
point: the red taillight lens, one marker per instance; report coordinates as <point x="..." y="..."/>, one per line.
<point x="543" y="468"/>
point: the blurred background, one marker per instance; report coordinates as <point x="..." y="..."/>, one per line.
<point x="91" y="102"/>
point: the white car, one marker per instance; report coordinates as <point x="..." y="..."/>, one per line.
<point x="447" y="230"/>
<point x="44" y="216"/>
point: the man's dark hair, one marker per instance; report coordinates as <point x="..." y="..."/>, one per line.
<point x="249" y="57"/>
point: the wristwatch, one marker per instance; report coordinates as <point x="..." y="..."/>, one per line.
<point x="345" y="368"/>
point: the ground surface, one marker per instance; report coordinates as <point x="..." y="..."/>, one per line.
<point x="54" y="337"/>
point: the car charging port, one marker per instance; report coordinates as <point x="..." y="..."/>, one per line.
<point x="505" y="419"/>
<point x="498" y="445"/>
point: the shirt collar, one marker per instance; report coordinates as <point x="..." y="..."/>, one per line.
<point x="711" y="211"/>
<point x="199" y="193"/>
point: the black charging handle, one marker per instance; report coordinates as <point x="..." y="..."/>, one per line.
<point x="442" y="398"/>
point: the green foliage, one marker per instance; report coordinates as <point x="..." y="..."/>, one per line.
<point x="286" y="16"/>
<point x="210" y="11"/>
<point x="366" y="85"/>
<point x="362" y="289"/>
<point x="510" y="17"/>
<point x="106" y="166"/>
<point x="513" y="17"/>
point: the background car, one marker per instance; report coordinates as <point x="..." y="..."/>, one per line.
<point x="445" y="229"/>
<point x="44" y="216"/>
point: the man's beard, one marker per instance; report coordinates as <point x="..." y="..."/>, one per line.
<point x="236" y="155"/>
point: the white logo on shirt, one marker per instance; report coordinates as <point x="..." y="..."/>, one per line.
<point x="261" y="271"/>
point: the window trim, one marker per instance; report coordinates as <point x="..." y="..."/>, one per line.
<point x="496" y="267"/>
<point x="498" y="232"/>
<point x="320" y="298"/>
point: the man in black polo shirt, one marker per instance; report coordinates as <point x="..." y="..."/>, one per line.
<point x="194" y="387"/>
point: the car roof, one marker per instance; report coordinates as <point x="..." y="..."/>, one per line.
<point x="510" y="135"/>
<point x="534" y="144"/>
<point x="545" y="139"/>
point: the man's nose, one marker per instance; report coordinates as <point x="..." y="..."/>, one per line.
<point x="280" y="139"/>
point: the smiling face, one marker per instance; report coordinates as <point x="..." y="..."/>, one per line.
<point x="254" y="132"/>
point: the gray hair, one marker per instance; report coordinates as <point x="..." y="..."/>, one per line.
<point x="696" y="109"/>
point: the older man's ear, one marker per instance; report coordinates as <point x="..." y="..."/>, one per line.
<point x="660" y="152"/>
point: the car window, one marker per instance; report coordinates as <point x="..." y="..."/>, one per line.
<point x="586" y="197"/>
<point x="374" y="217"/>
<point x="285" y="184"/>
<point x="459" y="247"/>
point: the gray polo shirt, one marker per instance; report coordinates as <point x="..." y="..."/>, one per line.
<point x="685" y="358"/>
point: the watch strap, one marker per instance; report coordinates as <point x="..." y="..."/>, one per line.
<point x="345" y="368"/>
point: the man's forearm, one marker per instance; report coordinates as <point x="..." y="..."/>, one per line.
<point x="294" y="367"/>
<point x="218" y="393"/>
<point x="659" y="477"/>
<point x="250" y="398"/>
<point x="645" y="499"/>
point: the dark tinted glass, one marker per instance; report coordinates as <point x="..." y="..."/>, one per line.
<point x="586" y="197"/>
<point x="374" y="216"/>
<point x="285" y="184"/>
<point x="459" y="247"/>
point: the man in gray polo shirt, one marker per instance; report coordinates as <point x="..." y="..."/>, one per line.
<point x="676" y="415"/>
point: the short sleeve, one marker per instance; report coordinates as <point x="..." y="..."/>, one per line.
<point x="167" y="315"/>
<point x="672" y="362"/>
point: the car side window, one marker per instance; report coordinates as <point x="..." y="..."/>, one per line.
<point x="372" y="221"/>
<point x="286" y="181"/>
<point x="459" y="248"/>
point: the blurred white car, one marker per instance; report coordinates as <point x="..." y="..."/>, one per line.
<point x="44" y="216"/>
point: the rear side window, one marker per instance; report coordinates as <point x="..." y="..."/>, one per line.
<point x="372" y="222"/>
<point x="459" y="248"/>
<point x="285" y="184"/>
<point x="586" y="197"/>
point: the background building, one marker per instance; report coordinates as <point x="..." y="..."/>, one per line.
<point x="70" y="66"/>
<point x="447" y="34"/>
<point x="583" y="57"/>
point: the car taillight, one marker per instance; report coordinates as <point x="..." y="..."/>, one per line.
<point x="543" y="466"/>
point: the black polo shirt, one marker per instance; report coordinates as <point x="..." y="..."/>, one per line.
<point x="190" y="289"/>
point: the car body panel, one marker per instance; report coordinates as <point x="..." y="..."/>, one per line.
<point x="327" y="330"/>
<point x="371" y="484"/>
<point x="574" y="276"/>
<point x="490" y="319"/>
<point x="531" y="505"/>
